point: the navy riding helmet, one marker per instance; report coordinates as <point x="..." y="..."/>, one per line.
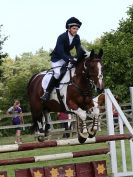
<point x="73" y="22"/>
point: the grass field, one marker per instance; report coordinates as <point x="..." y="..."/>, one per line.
<point x="53" y="150"/>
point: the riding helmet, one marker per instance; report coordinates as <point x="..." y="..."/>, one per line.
<point x="73" y="22"/>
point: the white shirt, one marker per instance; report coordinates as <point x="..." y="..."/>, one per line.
<point x="70" y="38"/>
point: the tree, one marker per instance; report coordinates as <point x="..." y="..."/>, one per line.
<point x="118" y="57"/>
<point x="17" y="73"/>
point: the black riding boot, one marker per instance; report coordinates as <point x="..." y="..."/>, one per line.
<point x="49" y="89"/>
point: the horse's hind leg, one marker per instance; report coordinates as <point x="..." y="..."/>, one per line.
<point x="37" y="121"/>
<point x="43" y="124"/>
<point x="39" y="125"/>
<point x="46" y="123"/>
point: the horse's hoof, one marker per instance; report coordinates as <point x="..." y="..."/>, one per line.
<point x="41" y="138"/>
<point x="81" y="139"/>
<point x="91" y="132"/>
<point x="83" y="135"/>
<point x="91" y="135"/>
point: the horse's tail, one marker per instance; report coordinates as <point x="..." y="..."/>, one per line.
<point x="28" y="85"/>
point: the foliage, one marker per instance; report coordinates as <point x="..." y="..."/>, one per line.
<point x="118" y="57"/>
<point x="17" y="74"/>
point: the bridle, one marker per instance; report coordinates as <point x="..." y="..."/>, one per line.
<point x="88" y="74"/>
<point x="90" y="83"/>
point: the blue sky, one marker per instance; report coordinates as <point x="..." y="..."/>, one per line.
<point x="32" y="24"/>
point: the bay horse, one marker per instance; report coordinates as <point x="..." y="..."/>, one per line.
<point x="76" y="88"/>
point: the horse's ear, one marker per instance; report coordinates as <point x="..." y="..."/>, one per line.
<point x="92" y="54"/>
<point x="100" y="53"/>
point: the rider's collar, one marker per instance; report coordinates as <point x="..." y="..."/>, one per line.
<point x="70" y="37"/>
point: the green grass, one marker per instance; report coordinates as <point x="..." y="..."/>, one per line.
<point x="53" y="150"/>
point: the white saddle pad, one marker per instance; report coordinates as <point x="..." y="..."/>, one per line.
<point x="46" y="79"/>
<point x="62" y="87"/>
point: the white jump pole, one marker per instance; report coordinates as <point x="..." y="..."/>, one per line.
<point x="110" y="125"/>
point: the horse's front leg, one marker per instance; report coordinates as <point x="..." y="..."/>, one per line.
<point x="81" y="118"/>
<point x="94" y="127"/>
<point x="82" y="127"/>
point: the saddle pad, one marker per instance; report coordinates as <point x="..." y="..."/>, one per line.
<point x="46" y="79"/>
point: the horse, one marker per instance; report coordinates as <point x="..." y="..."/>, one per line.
<point x="76" y="89"/>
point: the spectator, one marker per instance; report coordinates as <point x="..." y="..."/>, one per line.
<point x="17" y="119"/>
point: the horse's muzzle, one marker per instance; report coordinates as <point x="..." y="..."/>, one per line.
<point x="99" y="91"/>
<point x="100" y="86"/>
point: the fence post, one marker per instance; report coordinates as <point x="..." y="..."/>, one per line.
<point x="110" y="126"/>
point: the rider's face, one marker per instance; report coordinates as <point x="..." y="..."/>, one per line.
<point x="73" y="30"/>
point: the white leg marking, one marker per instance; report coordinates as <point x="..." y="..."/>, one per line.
<point x="39" y="124"/>
<point x="96" y="117"/>
<point x="80" y="113"/>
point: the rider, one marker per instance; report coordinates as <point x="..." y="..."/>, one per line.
<point x="61" y="53"/>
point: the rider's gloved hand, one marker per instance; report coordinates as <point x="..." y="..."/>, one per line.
<point x="87" y="54"/>
<point x="73" y="61"/>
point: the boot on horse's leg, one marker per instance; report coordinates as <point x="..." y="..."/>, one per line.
<point x="50" y="87"/>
